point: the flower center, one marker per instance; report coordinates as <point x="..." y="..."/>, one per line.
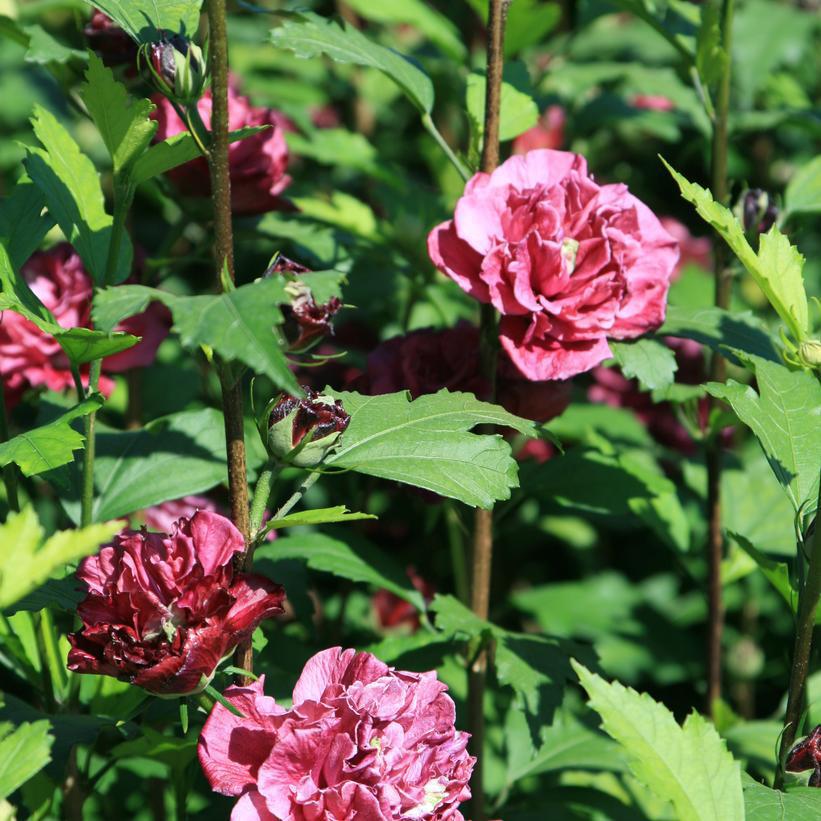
<point x="570" y="248"/>
<point x="435" y="793"/>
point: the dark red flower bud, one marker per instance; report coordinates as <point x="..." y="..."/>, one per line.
<point x="302" y="431"/>
<point x="162" y="611"/>
<point x="806" y="755"/>
<point x="758" y="211"/>
<point x="177" y="67"/>
<point x="109" y="41"/>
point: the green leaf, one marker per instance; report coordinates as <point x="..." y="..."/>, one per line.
<point x="651" y="362"/>
<point x="122" y="120"/>
<point x="803" y="194"/>
<point x="143" y="19"/>
<point x="317" y="516"/>
<point x="688" y="765"/>
<point x="353" y="559"/>
<point x="764" y="804"/>
<point x="238" y="325"/>
<point x="426" y="443"/>
<point x="777" y="268"/>
<point x="24" y="751"/>
<point x="720" y="330"/>
<point x="784" y="415"/>
<point x="71" y="187"/>
<point x="27" y="561"/>
<point x="519" y="111"/>
<point x="50" y="446"/>
<point x="22" y="221"/>
<point x="171" y="457"/>
<point x="81" y="345"/>
<point x="309" y="35"/>
<point x="176" y="150"/>
<point x="434" y="25"/>
<point x="776" y="573"/>
<point x="711" y="58"/>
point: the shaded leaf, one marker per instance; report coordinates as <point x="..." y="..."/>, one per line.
<point x="24" y="751"/>
<point x="519" y="111"/>
<point x="143" y="19"/>
<point x="803" y="194"/>
<point x="309" y="35"/>
<point x="764" y="804"/>
<point x="649" y="361"/>
<point x="688" y="765"/>
<point x="426" y="443"/>
<point x="22" y="221"/>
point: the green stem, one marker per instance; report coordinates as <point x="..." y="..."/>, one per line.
<point x="464" y="172"/>
<point x="807" y="607"/>
<point x="718" y="373"/>
<point x="9" y="471"/>
<point x="197" y="129"/>
<point x="123" y="197"/>
<point x="457" y="553"/>
<point x="262" y="494"/>
<point x="87" y="504"/>
<point x="292" y="500"/>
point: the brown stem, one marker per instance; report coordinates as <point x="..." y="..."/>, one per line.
<point x="807" y="607"/>
<point x="232" y="405"/>
<point x="482" y="564"/>
<point x="718" y="372"/>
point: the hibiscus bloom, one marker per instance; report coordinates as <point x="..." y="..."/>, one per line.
<point x="162" y="610"/>
<point x="30" y="358"/>
<point x="567" y="262"/>
<point x="362" y="741"/>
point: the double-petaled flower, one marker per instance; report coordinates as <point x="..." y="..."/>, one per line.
<point x="361" y="741"/>
<point x="162" y="610"/>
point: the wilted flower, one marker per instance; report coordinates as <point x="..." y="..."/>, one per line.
<point x="107" y="39"/>
<point x="427" y="360"/>
<point x="257" y="163"/>
<point x="806" y="755"/>
<point x="547" y="133"/>
<point x="162" y="610"/>
<point x="302" y="431"/>
<point x="177" y="67"/>
<point x="568" y="263"/>
<point x="758" y="212"/>
<point x="362" y="741"/>
<point x="391" y="611"/>
<point x="30" y="358"/>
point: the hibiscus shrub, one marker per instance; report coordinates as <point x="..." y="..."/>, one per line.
<point x="391" y="429"/>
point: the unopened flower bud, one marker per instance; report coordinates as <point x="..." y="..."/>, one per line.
<point x="178" y="68"/>
<point x="806" y="755"/>
<point x="302" y="431"/>
<point x="758" y="211"/>
<point x="306" y="320"/>
<point x="810" y="353"/>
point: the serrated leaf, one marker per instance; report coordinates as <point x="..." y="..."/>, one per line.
<point x="785" y="416"/>
<point x="309" y="35"/>
<point x="317" y="516"/>
<point x="764" y="804"/>
<point x="22" y="221"/>
<point x="27" y="562"/>
<point x="24" y="751"/>
<point x="176" y="150"/>
<point x="144" y="19"/>
<point x="81" y="345"/>
<point x="71" y="187"/>
<point x="649" y="361"/>
<point x="688" y="765"/>
<point x="777" y="268"/>
<point x="352" y="559"/>
<point x="50" y="446"/>
<point x="426" y="443"/>
<point x="122" y="120"/>
<point x="519" y="111"/>
<point x="803" y="194"/>
<point x="720" y="330"/>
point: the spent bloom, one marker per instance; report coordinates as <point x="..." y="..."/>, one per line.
<point x="362" y="741"/>
<point x="302" y="431"/>
<point x="806" y="755"/>
<point x="258" y="164"/>
<point x="567" y="262"/>
<point x="31" y="358"/>
<point x="162" y="610"/>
